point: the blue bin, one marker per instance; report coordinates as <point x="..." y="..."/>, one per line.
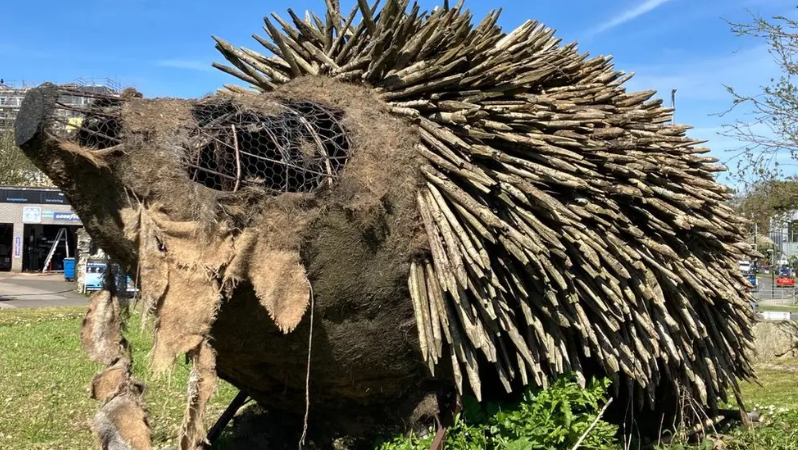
<point x="69" y="269"/>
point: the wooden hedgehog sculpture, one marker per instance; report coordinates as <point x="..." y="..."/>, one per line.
<point x="400" y="203"/>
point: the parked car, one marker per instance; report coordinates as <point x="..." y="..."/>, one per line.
<point x="745" y="266"/>
<point x="786" y="281"/>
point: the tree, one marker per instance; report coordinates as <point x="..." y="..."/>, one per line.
<point x="767" y="199"/>
<point x="773" y="129"/>
<point x="15" y="167"/>
<point x="764" y="244"/>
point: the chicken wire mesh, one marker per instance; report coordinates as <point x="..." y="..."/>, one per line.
<point x="88" y="119"/>
<point x="300" y="149"/>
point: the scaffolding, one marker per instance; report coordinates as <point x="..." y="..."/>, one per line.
<point x="12" y="93"/>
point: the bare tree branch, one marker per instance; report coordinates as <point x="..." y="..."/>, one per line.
<point x="772" y="130"/>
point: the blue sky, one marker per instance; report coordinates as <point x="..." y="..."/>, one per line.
<point x="164" y="48"/>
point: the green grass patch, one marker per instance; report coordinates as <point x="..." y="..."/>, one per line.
<point x="775" y="397"/>
<point x="777" y="308"/>
<point x="45" y="376"/>
<point x="44" y="393"/>
<point x="777" y="430"/>
<point x="777" y="387"/>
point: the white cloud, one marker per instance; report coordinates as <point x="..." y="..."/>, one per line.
<point x="628" y="15"/>
<point x="186" y="64"/>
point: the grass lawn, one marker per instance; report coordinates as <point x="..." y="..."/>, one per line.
<point x="777" y="308"/>
<point x="45" y="376"/>
<point x="778" y="388"/>
<point x="776" y="400"/>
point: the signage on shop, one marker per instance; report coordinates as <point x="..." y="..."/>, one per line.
<point x="17" y="246"/>
<point x="31" y="215"/>
<point x="32" y="196"/>
<point x="66" y="216"/>
<point x="60" y="216"/>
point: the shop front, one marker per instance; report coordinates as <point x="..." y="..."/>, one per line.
<point x="37" y="229"/>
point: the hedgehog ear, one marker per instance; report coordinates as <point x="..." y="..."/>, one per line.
<point x="281" y="286"/>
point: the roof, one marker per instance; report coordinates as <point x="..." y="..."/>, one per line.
<point x="30" y="188"/>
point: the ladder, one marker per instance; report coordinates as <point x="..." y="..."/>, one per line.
<point x="61" y="235"/>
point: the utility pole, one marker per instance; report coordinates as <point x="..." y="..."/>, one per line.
<point x="794" y="237"/>
<point x="773" y="233"/>
<point x="751" y="265"/>
<point x="673" y="105"/>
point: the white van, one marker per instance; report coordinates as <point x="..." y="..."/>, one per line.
<point x="745" y="266"/>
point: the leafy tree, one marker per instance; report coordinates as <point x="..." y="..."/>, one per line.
<point x="767" y="199"/>
<point x="773" y="128"/>
<point x="15" y="167"/>
<point x="764" y="244"/>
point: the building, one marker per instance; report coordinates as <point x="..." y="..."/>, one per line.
<point x="32" y="218"/>
<point x="784" y="232"/>
<point x="30" y="221"/>
<point x="10" y="101"/>
<point x="11" y="95"/>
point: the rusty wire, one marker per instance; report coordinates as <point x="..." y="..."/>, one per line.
<point x="299" y="149"/>
<point x="89" y="119"/>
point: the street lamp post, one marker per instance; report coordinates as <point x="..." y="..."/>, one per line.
<point x="772" y="259"/>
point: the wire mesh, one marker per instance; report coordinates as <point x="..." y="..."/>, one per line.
<point x="89" y="119"/>
<point x="299" y="149"/>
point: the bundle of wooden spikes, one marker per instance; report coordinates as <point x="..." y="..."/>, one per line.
<point x="571" y="224"/>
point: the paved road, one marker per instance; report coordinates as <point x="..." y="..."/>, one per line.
<point x="38" y="290"/>
<point x="764" y="290"/>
